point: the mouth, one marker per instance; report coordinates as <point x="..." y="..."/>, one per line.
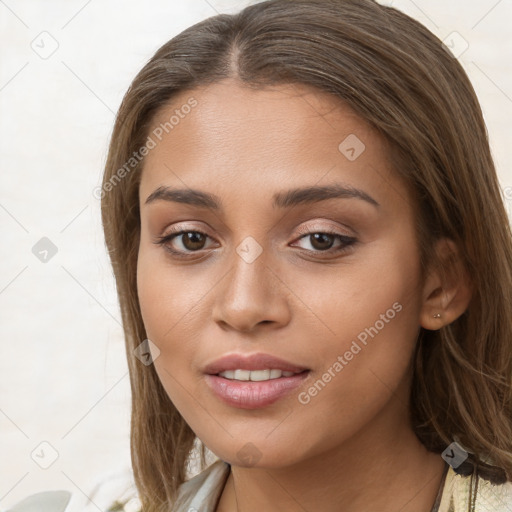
<point x="253" y="382"/>
<point x="256" y="375"/>
<point x="252" y="363"/>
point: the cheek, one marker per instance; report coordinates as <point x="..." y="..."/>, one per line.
<point x="167" y="299"/>
<point x="160" y="304"/>
<point x="167" y="307"/>
<point x="354" y="296"/>
<point x="172" y="302"/>
<point x="364" y="364"/>
<point x="370" y="317"/>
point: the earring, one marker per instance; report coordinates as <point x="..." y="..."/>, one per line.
<point x="437" y="315"/>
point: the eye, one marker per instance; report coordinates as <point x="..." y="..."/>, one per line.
<point x="190" y="241"/>
<point x="323" y="241"/>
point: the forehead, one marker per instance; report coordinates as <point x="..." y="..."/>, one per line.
<point x="229" y="112"/>
<point x="244" y="137"/>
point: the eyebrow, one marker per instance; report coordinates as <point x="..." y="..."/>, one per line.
<point x="283" y="199"/>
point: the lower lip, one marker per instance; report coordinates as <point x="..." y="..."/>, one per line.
<point x="253" y="394"/>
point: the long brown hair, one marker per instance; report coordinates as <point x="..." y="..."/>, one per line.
<point x="400" y="78"/>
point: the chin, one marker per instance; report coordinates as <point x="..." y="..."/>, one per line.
<point x="261" y="454"/>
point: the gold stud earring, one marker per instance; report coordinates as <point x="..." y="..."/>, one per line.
<point x="437" y="315"/>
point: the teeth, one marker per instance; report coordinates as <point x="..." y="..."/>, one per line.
<point x="255" y="375"/>
<point x="242" y="375"/>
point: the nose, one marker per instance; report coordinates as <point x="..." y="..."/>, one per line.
<point x="252" y="294"/>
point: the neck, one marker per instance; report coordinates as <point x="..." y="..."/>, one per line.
<point x="384" y="467"/>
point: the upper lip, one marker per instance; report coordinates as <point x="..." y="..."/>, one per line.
<point x="251" y="362"/>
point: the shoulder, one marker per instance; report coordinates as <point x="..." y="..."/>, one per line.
<point x="117" y="493"/>
<point x="65" y="501"/>
<point x="203" y="490"/>
<point x="457" y="493"/>
<point x="48" y="501"/>
<point x="111" y="492"/>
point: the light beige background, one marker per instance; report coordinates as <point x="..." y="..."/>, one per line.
<point x="63" y="375"/>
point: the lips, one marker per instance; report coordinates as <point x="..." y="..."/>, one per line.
<point x="251" y="362"/>
<point x="253" y="382"/>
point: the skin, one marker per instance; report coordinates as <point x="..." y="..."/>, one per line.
<point x="352" y="444"/>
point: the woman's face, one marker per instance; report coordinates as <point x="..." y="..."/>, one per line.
<point x="299" y="255"/>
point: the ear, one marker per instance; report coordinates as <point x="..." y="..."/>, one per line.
<point x="445" y="293"/>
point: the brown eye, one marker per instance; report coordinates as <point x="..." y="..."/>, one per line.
<point x="193" y="240"/>
<point x="189" y="242"/>
<point x="324" y="241"/>
<point x="321" y="241"/>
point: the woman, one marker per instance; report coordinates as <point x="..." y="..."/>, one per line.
<point x="316" y="195"/>
<point x="314" y="266"/>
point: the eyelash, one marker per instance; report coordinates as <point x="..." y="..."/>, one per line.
<point x="347" y="241"/>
